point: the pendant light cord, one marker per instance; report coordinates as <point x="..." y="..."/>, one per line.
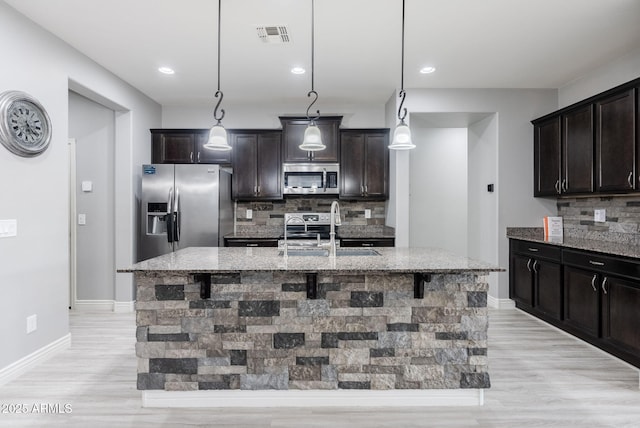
<point x="402" y="113"/>
<point x="219" y="93"/>
<point x="312" y="91"/>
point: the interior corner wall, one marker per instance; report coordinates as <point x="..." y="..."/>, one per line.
<point x="601" y="79"/>
<point x="34" y="279"/>
<point x="515" y="108"/>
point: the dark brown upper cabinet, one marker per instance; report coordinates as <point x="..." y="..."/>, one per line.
<point x="364" y="164"/>
<point x="546" y="157"/>
<point x="590" y="147"/>
<point x="577" y="151"/>
<point x="616" y="142"/>
<point x="293" y="132"/>
<point x="257" y="165"/>
<point x="184" y="146"/>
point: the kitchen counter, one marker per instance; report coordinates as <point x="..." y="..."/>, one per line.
<point x="246" y="327"/>
<point x="390" y="260"/>
<point x="536" y="234"/>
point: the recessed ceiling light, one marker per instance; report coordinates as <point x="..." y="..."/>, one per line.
<point x="166" y="70"/>
<point x="298" y="70"/>
<point x="427" y="70"/>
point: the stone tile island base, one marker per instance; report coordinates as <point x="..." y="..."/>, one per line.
<point x="365" y="336"/>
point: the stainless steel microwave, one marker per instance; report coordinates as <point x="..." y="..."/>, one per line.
<point x="310" y="178"/>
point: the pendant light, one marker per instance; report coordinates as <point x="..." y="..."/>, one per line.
<point x="217" y="134"/>
<point x="312" y="140"/>
<point x="402" y="134"/>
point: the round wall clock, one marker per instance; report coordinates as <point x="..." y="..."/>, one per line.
<point x="25" y="127"/>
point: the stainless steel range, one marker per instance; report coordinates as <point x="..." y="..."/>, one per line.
<point x="306" y="229"/>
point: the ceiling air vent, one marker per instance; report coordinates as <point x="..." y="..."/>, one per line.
<point x="274" y="34"/>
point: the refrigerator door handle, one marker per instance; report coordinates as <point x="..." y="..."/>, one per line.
<point x="170" y="216"/>
<point x="176" y="213"/>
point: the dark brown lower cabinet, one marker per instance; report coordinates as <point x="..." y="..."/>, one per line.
<point x="536" y="279"/>
<point x="581" y="302"/>
<point x="593" y="296"/>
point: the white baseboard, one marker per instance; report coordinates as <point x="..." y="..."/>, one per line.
<point x="494" y="302"/>
<point x="21" y="366"/>
<point x="103" y="306"/>
<point x="314" y="398"/>
<point x="124" y="307"/>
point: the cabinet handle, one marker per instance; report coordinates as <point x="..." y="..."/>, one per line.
<point x="258" y="190"/>
<point x="564" y="185"/>
<point x="630" y="179"/>
<point x="191" y="157"/>
<point x="362" y="190"/>
<point x="252" y="245"/>
<point x="593" y="282"/>
<point x="557" y="186"/>
<point x="366" y="190"/>
<point x="533" y="250"/>
<point x="529" y="265"/>
<point x="604" y="285"/>
<point x="255" y="190"/>
<point x="535" y="264"/>
<point x="592" y="262"/>
<point x="198" y="156"/>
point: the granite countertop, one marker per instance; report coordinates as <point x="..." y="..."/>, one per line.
<point x="229" y="259"/>
<point x="536" y="234"/>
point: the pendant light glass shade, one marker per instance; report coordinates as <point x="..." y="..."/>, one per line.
<point x="218" y="139"/>
<point x="312" y="140"/>
<point x="402" y="138"/>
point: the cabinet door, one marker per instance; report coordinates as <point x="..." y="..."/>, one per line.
<point x="172" y="147"/>
<point x="581" y="301"/>
<point x="521" y="283"/>
<point x="269" y="166"/>
<point x="546" y="157"/>
<point x="293" y="134"/>
<point x="615" y="142"/>
<point x="376" y="166"/>
<point x="204" y="155"/>
<point x="578" y="151"/>
<point x="548" y="288"/>
<point x="245" y="167"/>
<point x="620" y="314"/>
<point x="352" y="165"/>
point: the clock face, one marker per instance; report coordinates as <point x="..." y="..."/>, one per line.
<point x="26" y="123"/>
<point x="25" y="128"/>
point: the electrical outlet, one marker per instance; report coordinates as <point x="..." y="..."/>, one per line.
<point x="32" y="323"/>
<point x="367" y="213"/>
<point x="249" y="214"/>
<point x="600" y="216"/>
<point x="82" y="219"/>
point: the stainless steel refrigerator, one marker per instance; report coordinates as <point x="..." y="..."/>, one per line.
<point x="183" y="206"/>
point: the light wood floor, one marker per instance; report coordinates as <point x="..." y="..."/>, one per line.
<point x="540" y="378"/>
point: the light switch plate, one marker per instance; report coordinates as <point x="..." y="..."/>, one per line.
<point x="367" y="213"/>
<point x="600" y="216"/>
<point x="8" y="228"/>
<point x="87" y="186"/>
<point x="249" y="214"/>
<point x="82" y="219"/>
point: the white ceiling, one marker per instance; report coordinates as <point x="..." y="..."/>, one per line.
<point x="473" y="44"/>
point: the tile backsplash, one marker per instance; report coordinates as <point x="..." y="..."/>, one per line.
<point x="622" y="218"/>
<point x="267" y="216"/>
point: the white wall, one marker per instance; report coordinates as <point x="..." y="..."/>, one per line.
<point x="34" y="278"/>
<point x="438" y="194"/>
<point x="266" y="115"/>
<point x="93" y="127"/>
<point x="483" y="229"/>
<point x="601" y="79"/>
<point x="515" y="108"/>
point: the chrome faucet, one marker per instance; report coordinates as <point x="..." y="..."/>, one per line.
<point x="286" y="223"/>
<point x="335" y="211"/>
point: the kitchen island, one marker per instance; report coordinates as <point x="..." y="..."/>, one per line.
<point x="249" y="327"/>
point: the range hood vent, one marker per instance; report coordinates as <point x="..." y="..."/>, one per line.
<point x="273" y="34"/>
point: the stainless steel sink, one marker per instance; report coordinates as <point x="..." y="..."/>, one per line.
<point x="320" y="252"/>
